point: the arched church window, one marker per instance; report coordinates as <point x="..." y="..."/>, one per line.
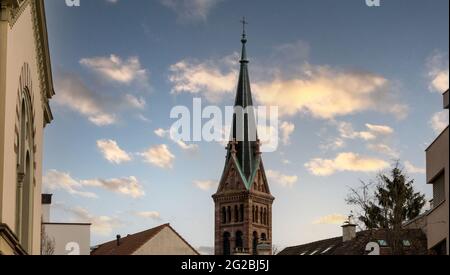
<point x="264" y="216"/>
<point x="255" y="243"/>
<point x="241" y="213"/>
<point x="263" y="237"/>
<point x="239" y="241"/>
<point x="253" y="213"/>
<point x="25" y="173"/>
<point x="261" y="216"/>
<point x="236" y="214"/>
<point x="224" y="215"/>
<point x="229" y="214"/>
<point x="256" y="214"/>
<point x="226" y="243"/>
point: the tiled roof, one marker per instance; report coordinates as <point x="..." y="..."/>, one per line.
<point x="131" y="243"/>
<point x="415" y="244"/>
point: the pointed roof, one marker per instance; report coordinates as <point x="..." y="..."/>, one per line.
<point x="131" y="243"/>
<point x="244" y="137"/>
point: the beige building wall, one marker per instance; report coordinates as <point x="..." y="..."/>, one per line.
<point x="69" y="239"/>
<point x="166" y="242"/>
<point x="18" y="50"/>
<point x="438" y="166"/>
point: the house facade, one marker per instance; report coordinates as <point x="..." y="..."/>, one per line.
<point x="26" y="87"/>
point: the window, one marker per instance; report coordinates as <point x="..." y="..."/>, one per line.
<point x="439" y="189"/>
<point x="224" y="215"/>
<point x="226" y="243"/>
<point x="241" y="213"/>
<point x="236" y="214"/>
<point x="25" y="173"/>
<point x="239" y="241"/>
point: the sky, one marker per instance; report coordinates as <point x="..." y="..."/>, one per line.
<point x="357" y="87"/>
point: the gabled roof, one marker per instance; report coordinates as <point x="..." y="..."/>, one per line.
<point x="357" y="246"/>
<point x="131" y="243"/>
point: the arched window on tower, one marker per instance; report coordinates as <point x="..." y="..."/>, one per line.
<point x="261" y="216"/>
<point x="229" y="214"/>
<point x="253" y="213"/>
<point x="241" y="213"/>
<point x="236" y="214"/>
<point x="255" y="243"/>
<point x="239" y="241"/>
<point x="256" y="214"/>
<point x="263" y="237"/>
<point x="224" y="215"/>
<point x="226" y="243"/>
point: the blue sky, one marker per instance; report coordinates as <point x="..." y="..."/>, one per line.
<point x="356" y="88"/>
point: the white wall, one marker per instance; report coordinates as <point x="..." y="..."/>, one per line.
<point x="67" y="236"/>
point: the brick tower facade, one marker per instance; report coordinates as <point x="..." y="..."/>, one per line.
<point x="243" y="203"/>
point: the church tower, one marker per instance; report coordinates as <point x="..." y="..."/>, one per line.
<point x="243" y="203"/>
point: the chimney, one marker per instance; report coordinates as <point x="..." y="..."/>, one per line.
<point x="349" y="230"/>
<point x="46" y="201"/>
<point x="118" y="240"/>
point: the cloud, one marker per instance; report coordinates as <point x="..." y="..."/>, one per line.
<point x="55" y="180"/>
<point x="438" y="72"/>
<point x="211" y="79"/>
<point x="191" y="10"/>
<point x="129" y="186"/>
<point x="112" y="152"/>
<point x="287" y="129"/>
<point x="321" y="91"/>
<point x="281" y="179"/>
<point x="74" y="94"/>
<point x="439" y="121"/>
<point x="114" y="68"/>
<point x="135" y="102"/>
<point x="414" y="169"/>
<point x="384" y="149"/>
<point x="101" y="225"/>
<point x="159" y="156"/>
<point x="205" y="185"/>
<point x="153" y="215"/>
<point x="345" y="162"/>
<point x="334" y="219"/>
<point x="181" y="144"/>
<point x="326" y="93"/>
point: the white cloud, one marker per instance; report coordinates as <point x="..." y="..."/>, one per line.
<point x="287" y="129"/>
<point x="159" y="156"/>
<point x="191" y="10"/>
<point x="334" y="219"/>
<point x="380" y="129"/>
<point x="320" y="91"/>
<point x="101" y="225"/>
<point x="439" y="121"/>
<point x="55" y="180"/>
<point x="211" y="79"/>
<point x="411" y="168"/>
<point x="129" y="186"/>
<point x="74" y="94"/>
<point x="112" y="152"/>
<point x="183" y="145"/>
<point x="133" y="101"/>
<point x="384" y="149"/>
<point x="149" y="215"/>
<point x="438" y="72"/>
<point x="114" y="68"/>
<point x="345" y="162"/>
<point x="205" y="185"/>
<point x="281" y="179"/>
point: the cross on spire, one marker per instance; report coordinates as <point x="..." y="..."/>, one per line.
<point x="244" y="22"/>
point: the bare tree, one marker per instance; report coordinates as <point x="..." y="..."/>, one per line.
<point x="47" y="243"/>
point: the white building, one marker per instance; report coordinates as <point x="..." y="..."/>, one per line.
<point x="25" y="90"/>
<point x="63" y="238"/>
